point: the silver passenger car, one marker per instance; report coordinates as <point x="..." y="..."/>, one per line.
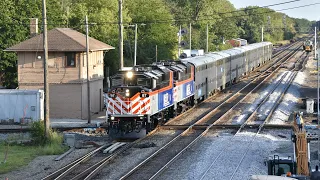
<point x="215" y="70"/>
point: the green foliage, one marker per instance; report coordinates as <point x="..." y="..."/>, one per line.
<point x="19" y="155"/>
<point x="38" y="134"/>
<point x="14" y="28"/>
<point x="302" y="25"/>
<point x="163" y="35"/>
<point x="224" y="22"/>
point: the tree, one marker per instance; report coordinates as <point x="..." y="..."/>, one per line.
<point x="14" y="28"/>
<point x="164" y="35"/>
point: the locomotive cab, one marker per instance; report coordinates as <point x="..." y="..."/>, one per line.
<point x="307" y="46"/>
<point x="129" y="102"/>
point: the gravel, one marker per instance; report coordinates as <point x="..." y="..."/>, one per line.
<point x="42" y="166"/>
<point x="194" y="163"/>
<point x="202" y="109"/>
<point x="290" y="100"/>
<point x="14" y="137"/>
<point x="133" y="156"/>
<point x="254" y="103"/>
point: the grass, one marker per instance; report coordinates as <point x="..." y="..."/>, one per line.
<point x="19" y="155"/>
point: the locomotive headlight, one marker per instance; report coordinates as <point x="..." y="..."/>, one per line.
<point x="127" y="94"/>
<point x="112" y="118"/>
<point x="127" y="91"/>
<point x="129" y="74"/>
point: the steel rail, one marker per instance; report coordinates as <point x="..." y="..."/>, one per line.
<point x="212" y="125"/>
<point x="186" y="131"/>
<point x="267" y="118"/>
<point x="60" y="171"/>
<point x="200" y="136"/>
<point x="102" y="164"/>
<point x="274" y="57"/>
<point x="210" y="114"/>
<point x="245" y="123"/>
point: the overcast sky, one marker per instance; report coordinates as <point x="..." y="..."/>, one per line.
<point x="310" y="12"/>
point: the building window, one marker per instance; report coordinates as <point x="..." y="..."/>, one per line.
<point x="70" y="59"/>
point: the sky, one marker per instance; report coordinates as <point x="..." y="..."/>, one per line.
<point x="310" y="12"/>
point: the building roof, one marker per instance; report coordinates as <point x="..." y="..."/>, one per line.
<point x="61" y="39"/>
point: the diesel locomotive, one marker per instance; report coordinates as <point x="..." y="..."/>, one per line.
<point x="145" y="96"/>
<point x="307" y="46"/>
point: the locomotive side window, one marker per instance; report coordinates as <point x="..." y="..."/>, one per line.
<point x="144" y="82"/>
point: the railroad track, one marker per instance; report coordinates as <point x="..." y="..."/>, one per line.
<point x="88" y="165"/>
<point x="189" y="136"/>
<point x="238" y="160"/>
<point x="155" y="164"/>
<point x="196" y="113"/>
<point x="68" y="170"/>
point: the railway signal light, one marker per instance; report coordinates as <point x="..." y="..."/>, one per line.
<point x="183" y="44"/>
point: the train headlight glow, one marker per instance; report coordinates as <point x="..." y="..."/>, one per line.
<point x="112" y="118"/>
<point x="129" y="74"/>
<point x="127" y="94"/>
<point x="127" y="91"/>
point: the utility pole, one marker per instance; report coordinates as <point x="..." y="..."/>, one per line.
<point x="315" y="42"/>
<point x="135" y="44"/>
<point x="88" y="77"/>
<point x="179" y="41"/>
<point x="45" y="65"/>
<point x="190" y="38"/>
<point x="315" y="57"/>
<point x="207" y="47"/>
<point x="262" y="34"/>
<point x="285" y="26"/>
<point x="120" y="35"/>
<point x="156" y="53"/>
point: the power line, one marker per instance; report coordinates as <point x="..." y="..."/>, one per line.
<point x="184" y="19"/>
<point x="187" y="20"/>
<point x="253" y="8"/>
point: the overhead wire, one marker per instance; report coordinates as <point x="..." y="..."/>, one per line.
<point x="165" y="21"/>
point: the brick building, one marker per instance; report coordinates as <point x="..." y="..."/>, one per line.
<point x="67" y="71"/>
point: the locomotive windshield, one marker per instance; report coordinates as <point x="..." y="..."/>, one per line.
<point x="131" y="80"/>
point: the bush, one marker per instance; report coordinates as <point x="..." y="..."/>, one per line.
<point x="51" y="145"/>
<point x="37" y="132"/>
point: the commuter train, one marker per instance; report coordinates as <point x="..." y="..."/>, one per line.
<point x="144" y="96"/>
<point x="307" y="46"/>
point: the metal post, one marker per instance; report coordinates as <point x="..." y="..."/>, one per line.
<point x="179" y="41"/>
<point x="315" y="42"/>
<point x="207" y="47"/>
<point x="88" y="77"/>
<point x="190" y="38"/>
<point x="135" y="44"/>
<point x="156" y="53"/>
<point x="262" y="34"/>
<point x="315" y="49"/>
<point x="120" y="35"/>
<point x="45" y="65"/>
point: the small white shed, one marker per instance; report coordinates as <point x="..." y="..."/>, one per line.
<point x="310" y="105"/>
<point x="21" y="104"/>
